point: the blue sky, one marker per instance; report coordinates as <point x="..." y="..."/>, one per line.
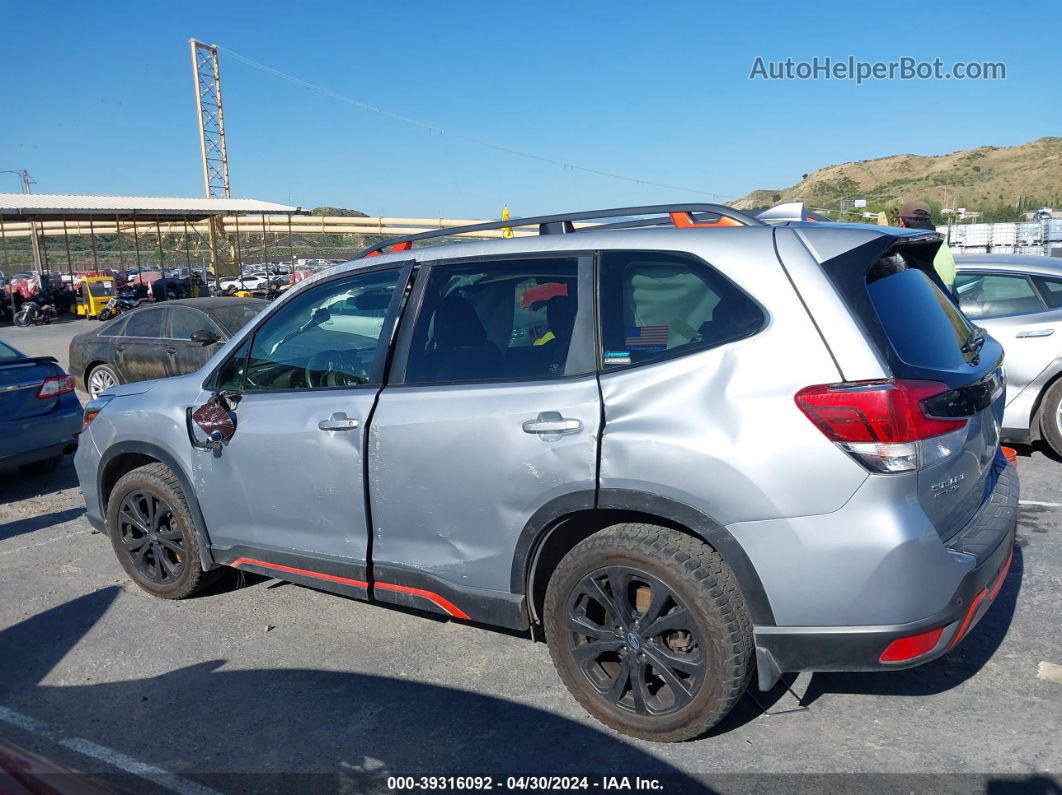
<point x="99" y="97"/>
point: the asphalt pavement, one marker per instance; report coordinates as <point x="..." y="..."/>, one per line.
<point x="263" y="686"/>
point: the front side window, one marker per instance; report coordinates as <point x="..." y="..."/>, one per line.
<point x="983" y="295"/>
<point x="327" y="337"/>
<point x="657" y="305"/>
<point x="497" y="321"/>
<point x="145" y="323"/>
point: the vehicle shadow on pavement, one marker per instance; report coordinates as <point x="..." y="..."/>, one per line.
<point x="942" y="674"/>
<point x="16" y="485"/>
<point x="39" y="522"/>
<point x="341" y="731"/>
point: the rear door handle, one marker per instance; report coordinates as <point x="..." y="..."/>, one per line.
<point x="339" y="421"/>
<point x="1035" y="332"/>
<point x="551" y="422"/>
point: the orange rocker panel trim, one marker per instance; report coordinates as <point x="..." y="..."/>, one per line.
<point x="446" y="605"/>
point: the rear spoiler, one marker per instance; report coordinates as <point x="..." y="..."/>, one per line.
<point x="29" y="360"/>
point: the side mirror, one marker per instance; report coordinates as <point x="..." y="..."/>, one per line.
<point x="204" y="337"/>
<point x="217" y="419"/>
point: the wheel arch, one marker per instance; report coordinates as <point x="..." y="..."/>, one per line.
<point x="562" y="523"/>
<point x="124" y="457"/>
<point x="1035" y="417"/>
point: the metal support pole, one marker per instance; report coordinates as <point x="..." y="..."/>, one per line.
<point x="264" y="246"/>
<point x="162" y="255"/>
<point x="188" y="250"/>
<point x="7" y="270"/>
<point x="92" y="237"/>
<point x="136" y="246"/>
<point x="44" y="259"/>
<point x="239" y="254"/>
<point x="118" y="242"/>
<point x="291" y="246"/>
<point x="69" y="262"/>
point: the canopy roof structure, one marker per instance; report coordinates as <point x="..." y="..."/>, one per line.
<point x="55" y="206"/>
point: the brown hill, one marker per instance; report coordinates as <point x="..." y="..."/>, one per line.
<point x="990" y="176"/>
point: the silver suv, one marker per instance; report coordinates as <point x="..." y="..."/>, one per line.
<point x="687" y="444"/>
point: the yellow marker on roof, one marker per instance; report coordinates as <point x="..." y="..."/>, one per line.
<point x="507" y="231"/>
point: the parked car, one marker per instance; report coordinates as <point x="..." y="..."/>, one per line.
<point x="247" y="282"/>
<point x="156" y="341"/>
<point x="1019" y="300"/>
<point x="40" y="416"/>
<point x="689" y="453"/>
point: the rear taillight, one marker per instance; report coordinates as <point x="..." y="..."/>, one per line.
<point x="56" y="385"/>
<point x="883" y="424"/>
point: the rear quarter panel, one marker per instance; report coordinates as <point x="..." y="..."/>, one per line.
<point x="719" y="430"/>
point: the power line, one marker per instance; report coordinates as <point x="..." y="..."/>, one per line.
<point x="433" y="128"/>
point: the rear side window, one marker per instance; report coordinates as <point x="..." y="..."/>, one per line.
<point x="1051" y="290"/>
<point x="996" y="295"/>
<point x="146" y="323"/>
<point x="925" y="328"/>
<point x="658" y="305"/>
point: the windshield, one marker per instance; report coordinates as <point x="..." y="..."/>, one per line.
<point x="7" y="353"/>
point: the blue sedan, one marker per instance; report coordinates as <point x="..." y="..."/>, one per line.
<point x="40" y="416"/>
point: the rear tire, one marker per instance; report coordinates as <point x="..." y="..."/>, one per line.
<point x="99" y="379"/>
<point x="154" y="535"/>
<point x="670" y="658"/>
<point x="1051" y="418"/>
<point x="45" y="467"/>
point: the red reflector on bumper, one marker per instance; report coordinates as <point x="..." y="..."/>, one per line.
<point x="903" y="649"/>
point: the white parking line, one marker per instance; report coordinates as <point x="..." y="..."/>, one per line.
<point x="120" y="761"/>
<point x="1041" y="504"/>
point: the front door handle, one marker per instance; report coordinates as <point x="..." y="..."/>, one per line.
<point x="551" y="422"/>
<point x="339" y="421"/>
<point x="171" y="351"/>
<point x="1035" y="332"/>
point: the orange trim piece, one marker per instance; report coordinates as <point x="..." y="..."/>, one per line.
<point x="685" y="221"/>
<point x="445" y="604"/>
<point x="991" y="594"/>
<point x="305" y="572"/>
<point x="402" y="246"/>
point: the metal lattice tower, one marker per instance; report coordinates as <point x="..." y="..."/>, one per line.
<point x="211" y="119"/>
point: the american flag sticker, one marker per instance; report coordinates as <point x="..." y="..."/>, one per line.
<point x="646" y="338"/>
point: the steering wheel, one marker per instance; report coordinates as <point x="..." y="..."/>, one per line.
<point x="336" y="368"/>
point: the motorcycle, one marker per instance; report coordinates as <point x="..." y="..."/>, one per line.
<point x="124" y="301"/>
<point x="35" y="313"/>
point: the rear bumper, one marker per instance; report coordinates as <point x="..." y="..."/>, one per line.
<point x="41" y="437"/>
<point x="989" y="539"/>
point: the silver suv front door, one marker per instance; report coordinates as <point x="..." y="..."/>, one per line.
<point x="288" y="487"/>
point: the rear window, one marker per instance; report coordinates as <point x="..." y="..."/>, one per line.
<point x="233" y="317"/>
<point x="8" y="353"/>
<point x="924" y="327"/>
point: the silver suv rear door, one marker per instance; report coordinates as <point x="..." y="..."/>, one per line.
<point x="493" y="412"/>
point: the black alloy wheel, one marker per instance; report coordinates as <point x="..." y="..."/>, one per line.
<point x="635" y="641"/>
<point x="151" y="537"/>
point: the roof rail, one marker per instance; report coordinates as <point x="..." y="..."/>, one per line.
<point x="678" y="215"/>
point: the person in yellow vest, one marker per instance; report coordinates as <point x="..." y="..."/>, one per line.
<point x="916" y="215"/>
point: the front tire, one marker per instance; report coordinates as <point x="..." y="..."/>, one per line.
<point x="22" y="318"/>
<point x="1051" y="418"/>
<point x="153" y="533"/>
<point x="648" y="630"/>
